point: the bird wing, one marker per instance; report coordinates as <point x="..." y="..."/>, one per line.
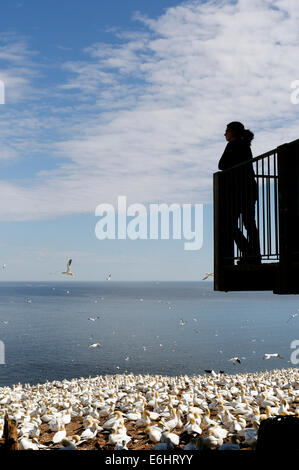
<point x="238" y="360"/>
<point x="204" y="278"/>
<point x="69" y="265"/>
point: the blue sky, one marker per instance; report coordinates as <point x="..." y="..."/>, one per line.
<point x="130" y="98"/>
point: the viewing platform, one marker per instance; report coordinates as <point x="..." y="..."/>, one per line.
<point x="276" y="219"/>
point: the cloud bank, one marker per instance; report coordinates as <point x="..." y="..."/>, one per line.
<point x="145" y="117"/>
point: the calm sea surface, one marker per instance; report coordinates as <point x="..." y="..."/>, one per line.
<point x="143" y="327"/>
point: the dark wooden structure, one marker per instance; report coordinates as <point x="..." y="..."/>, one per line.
<point x="276" y="219"/>
<point x="10" y="435"/>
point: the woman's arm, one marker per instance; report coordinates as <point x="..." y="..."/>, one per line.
<point x="226" y="159"/>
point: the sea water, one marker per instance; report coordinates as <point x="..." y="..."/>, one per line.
<point x="165" y="328"/>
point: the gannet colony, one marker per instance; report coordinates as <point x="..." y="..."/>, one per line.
<point x="149" y="412"/>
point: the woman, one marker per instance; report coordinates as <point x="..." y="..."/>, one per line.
<point x="241" y="191"/>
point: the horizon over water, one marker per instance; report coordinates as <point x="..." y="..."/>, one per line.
<point x="146" y="327"/>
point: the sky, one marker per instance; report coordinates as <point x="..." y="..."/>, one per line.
<point x="130" y="98"/>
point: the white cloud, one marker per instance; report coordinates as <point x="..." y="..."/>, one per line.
<point x="16" y="68"/>
<point x="148" y="114"/>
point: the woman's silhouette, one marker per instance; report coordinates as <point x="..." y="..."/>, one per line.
<point x="241" y="191"/>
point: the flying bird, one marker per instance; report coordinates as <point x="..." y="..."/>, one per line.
<point x="68" y="268"/>
<point x="207" y="275"/>
<point x="108" y="278"/>
<point x="267" y="356"/>
<point x="293" y="315"/>
<point x="208" y="371"/>
<point x="234" y="360"/>
<point x="95" y="345"/>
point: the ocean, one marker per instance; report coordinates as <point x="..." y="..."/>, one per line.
<point x="164" y="328"/>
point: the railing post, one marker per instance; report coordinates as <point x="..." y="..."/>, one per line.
<point x="288" y="173"/>
<point x="223" y="245"/>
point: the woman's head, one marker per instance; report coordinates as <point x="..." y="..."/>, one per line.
<point x="235" y="130"/>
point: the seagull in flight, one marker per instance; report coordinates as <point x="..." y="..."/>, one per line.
<point x="108" y="278"/>
<point x="207" y="275"/>
<point x="234" y="360"/>
<point x="68" y="268"/>
<point x="267" y="356"/>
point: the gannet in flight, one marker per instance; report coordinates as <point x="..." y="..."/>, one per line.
<point x="267" y="356"/>
<point x="207" y="275"/>
<point x="293" y="315"/>
<point x="68" y="268"/>
<point x="234" y="360"/>
<point x="211" y="371"/>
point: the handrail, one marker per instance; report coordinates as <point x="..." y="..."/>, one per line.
<point x="256" y="223"/>
<point x="259" y="157"/>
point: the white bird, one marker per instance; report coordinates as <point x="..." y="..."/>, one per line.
<point x="87" y="421"/>
<point x="54" y="424"/>
<point x="144" y="420"/>
<point x="192" y="427"/>
<point x="47" y="417"/>
<point x="284" y="408"/>
<point x="250" y="434"/>
<point x="95" y="345"/>
<point x="207" y="275"/>
<point x="267" y="356"/>
<point x="218" y="432"/>
<point x="131" y="416"/>
<point x="29" y="429"/>
<point x="3" y="266"/>
<point x="108" y="277"/>
<point x="27" y="444"/>
<point x="234" y="360"/>
<point x="292" y="316"/>
<point x="154" y="433"/>
<point x="119" y="435"/>
<point x="212" y="372"/>
<point x="171" y="423"/>
<point x="59" y="435"/>
<point x="171" y="437"/>
<point x="211" y="441"/>
<point x="115" y="421"/>
<point x="66" y="417"/>
<point x="90" y="432"/>
<point x="121" y="446"/>
<point x="68" y="268"/>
